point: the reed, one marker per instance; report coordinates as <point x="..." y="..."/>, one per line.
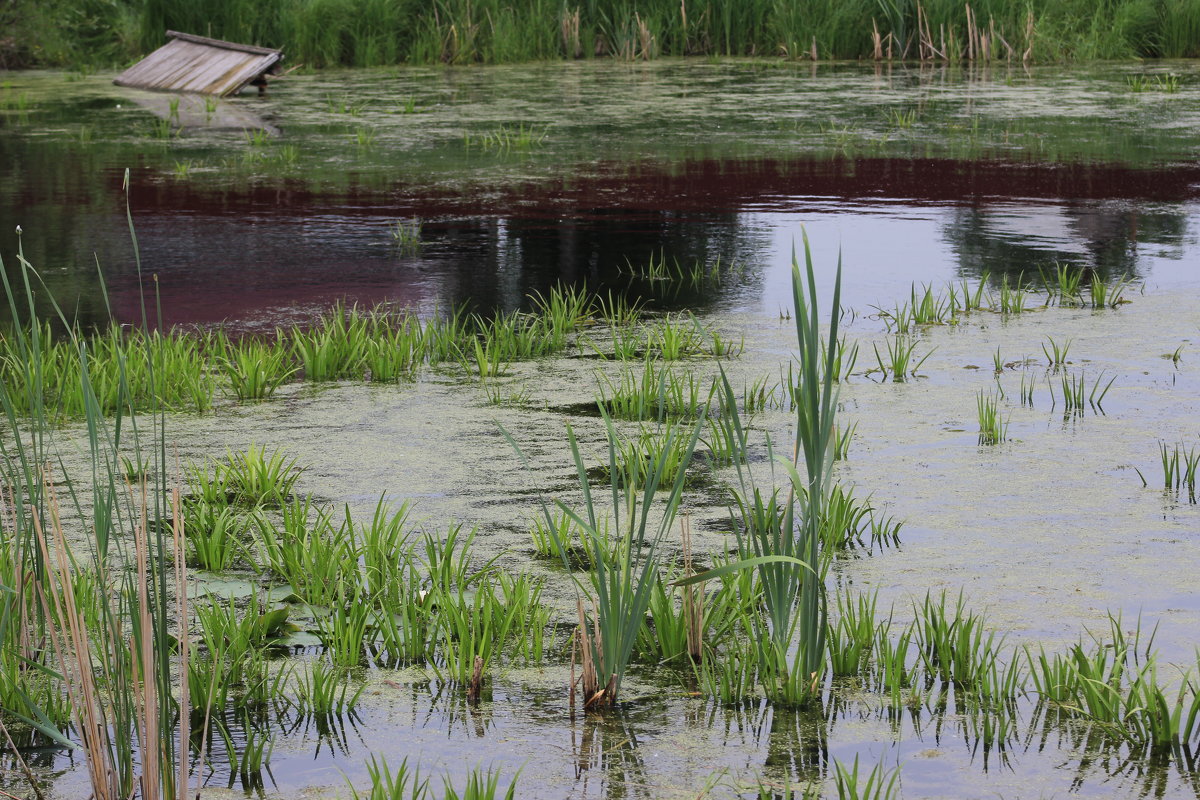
<point x="619" y="594"/>
<point x="489" y="31"/>
<point x="781" y="537"/>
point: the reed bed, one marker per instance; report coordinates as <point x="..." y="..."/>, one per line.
<point x="363" y="33"/>
<point x="186" y="369"/>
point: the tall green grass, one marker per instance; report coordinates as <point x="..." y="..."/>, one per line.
<point x="323" y="33"/>
<point x="780" y="535"/>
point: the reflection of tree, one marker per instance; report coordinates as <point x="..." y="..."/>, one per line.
<point x="1102" y="238"/>
<point x="493" y="264"/>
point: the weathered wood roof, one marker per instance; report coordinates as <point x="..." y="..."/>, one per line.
<point x="190" y="63"/>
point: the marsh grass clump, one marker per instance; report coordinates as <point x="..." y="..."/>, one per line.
<point x="255" y="478"/>
<point x="657" y="393"/>
<point x="880" y="783"/>
<point x="901" y="361"/>
<point x="254" y="369"/>
<point x="1056" y="356"/>
<point x="993" y="427"/>
<point x="1180" y="464"/>
<point x="661" y="446"/>
<point x="128" y="370"/>
<point x="1108" y="295"/>
<point x="214" y="535"/>
<point x="505" y="138"/>
<point x="1010" y="299"/>
<point x="1112" y="682"/>
<point x="1063" y="284"/>
<point x="1077" y="397"/>
<point x="325" y="691"/>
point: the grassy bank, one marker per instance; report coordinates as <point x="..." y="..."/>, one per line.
<point x="321" y="33"/>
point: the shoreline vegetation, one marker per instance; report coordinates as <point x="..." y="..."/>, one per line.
<point x="93" y="34"/>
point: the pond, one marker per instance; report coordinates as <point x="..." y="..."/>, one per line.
<point x="433" y="189"/>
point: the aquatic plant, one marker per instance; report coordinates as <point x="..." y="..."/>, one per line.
<point x="1056" y="356"/>
<point x="781" y="537"/>
<point x="901" y="362"/>
<point x="993" y="428"/>
<point x="1064" y="284"/>
<point x="506" y="138"/>
<point x="673" y="339"/>
<point x="107" y="643"/>
<point x="1179" y="466"/>
<point x="658" y="393"/>
<point x="1077" y="396"/>
<point x="878" y="784"/>
<point x="255" y="478"/>
<point x="1106" y="295"/>
<point x="255" y="370"/>
<point x="1010" y="299"/>
<point x="308" y="552"/>
<point x="406" y="235"/>
<point x="213" y="535"/>
<point x="325" y="691"/>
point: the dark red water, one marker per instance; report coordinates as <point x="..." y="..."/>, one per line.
<point x="266" y="254"/>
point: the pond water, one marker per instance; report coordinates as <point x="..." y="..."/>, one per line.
<point x="913" y="176"/>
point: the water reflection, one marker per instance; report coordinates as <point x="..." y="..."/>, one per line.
<point x="272" y="254"/>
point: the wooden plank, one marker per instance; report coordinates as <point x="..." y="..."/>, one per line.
<point x="197" y="64"/>
<point x="245" y="48"/>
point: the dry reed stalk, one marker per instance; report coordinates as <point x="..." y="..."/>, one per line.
<point x="813" y="52"/>
<point x="590" y="683"/>
<point x="683" y="22"/>
<point x="876" y="41"/>
<point x="1028" y="54"/>
<point x="970" y="34"/>
<point x="693" y="596"/>
<point x="77" y="668"/>
<point x="571" y="687"/>
<point x="645" y="38"/>
<point x="473" y="689"/>
<point x="145" y="686"/>
<point x="569" y="26"/>
<point x="185" y="698"/>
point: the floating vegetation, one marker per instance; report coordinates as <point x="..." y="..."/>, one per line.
<point x="508" y="138"/>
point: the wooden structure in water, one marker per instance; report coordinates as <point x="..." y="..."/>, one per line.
<point x="190" y="63"/>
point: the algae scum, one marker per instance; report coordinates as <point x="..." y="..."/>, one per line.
<point x="683" y="186"/>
